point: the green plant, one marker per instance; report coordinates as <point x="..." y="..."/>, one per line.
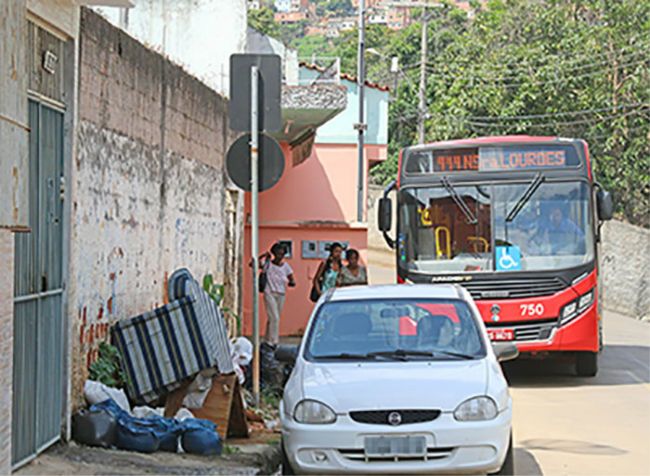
<point x="216" y="293"/>
<point x="106" y="369"/>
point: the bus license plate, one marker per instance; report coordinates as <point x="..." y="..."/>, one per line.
<point x="389" y="446"/>
<point x="501" y="334"/>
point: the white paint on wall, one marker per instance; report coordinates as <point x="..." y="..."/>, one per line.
<point x="199" y="35"/>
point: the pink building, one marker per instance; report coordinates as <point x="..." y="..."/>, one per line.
<point x="315" y="202"/>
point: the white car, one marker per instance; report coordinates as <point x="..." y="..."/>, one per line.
<point x="396" y="379"/>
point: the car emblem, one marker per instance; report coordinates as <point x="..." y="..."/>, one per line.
<point x="495" y="310"/>
<point x="394" y="418"/>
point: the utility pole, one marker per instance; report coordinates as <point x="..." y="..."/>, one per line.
<point x="423" y="79"/>
<point x="361" y="125"/>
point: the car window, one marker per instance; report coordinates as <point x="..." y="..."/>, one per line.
<point x="415" y="329"/>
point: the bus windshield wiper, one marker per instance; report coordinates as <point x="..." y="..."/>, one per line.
<point x="532" y="188"/>
<point x="471" y="219"/>
<point x="347" y="356"/>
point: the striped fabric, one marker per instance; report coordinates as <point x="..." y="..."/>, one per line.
<point x="162" y="347"/>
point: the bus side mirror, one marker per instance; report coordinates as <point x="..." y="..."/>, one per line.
<point x="604" y="204"/>
<point x="385" y="210"/>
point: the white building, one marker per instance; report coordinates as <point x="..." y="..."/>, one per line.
<point x="200" y="36"/>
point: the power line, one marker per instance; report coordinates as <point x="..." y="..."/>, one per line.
<point x="555" y="114"/>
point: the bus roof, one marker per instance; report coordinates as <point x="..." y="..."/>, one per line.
<point x="513" y="139"/>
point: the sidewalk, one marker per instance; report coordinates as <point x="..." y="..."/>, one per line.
<point x="71" y="458"/>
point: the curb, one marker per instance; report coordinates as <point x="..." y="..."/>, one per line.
<point x="269" y="459"/>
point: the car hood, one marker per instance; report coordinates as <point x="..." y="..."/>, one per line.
<point x="394" y="385"/>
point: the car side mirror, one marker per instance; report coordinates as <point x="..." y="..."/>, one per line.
<point x="505" y="351"/>
<point x="605" y="204"/>
<point x="385" y="217"/>
<point x="286" y="353"/>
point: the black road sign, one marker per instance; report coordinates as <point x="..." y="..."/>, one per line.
<point x="271" y="162"/>
<point x="239" y="106"/>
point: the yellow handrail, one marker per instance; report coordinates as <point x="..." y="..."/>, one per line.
<point x="439" y="251"/>
<point x="476" y="239"/>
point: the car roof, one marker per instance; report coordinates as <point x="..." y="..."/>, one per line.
<point x="397" y="291"/>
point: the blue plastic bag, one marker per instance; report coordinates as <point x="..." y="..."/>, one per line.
<point x="200" y="437"/>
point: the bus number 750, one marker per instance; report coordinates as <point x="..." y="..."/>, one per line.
<point x="532" y="309"/>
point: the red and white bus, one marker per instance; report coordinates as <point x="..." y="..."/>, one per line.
<point x="514" y="220"/>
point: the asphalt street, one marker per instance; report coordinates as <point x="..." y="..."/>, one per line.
<point x="566" y="425"/>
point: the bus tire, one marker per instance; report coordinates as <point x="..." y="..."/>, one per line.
<point x="587" y="364"/>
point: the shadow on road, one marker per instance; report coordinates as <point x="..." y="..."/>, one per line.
<point x="619" y="365"/>
<point x="525" y="463"/>
<point x="572" y="446"/>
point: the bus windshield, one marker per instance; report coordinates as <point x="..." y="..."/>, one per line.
<point x="527" y="226"/>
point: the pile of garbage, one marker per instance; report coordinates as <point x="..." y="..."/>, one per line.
<point x="109" y="422"/>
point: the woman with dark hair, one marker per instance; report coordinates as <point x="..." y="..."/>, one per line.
<point x="328" y="270"/>
<point x="278" y="275"/>
<point x="354" y="272"/>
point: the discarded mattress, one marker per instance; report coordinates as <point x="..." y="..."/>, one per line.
<point x="165" y="346"/>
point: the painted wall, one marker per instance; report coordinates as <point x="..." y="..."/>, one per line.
<point x="149" y="193"/>
<point x="259" y="43"/>
<point x="199" y="35"/>
<point x="340" y="129"/>
<point x="6" y="345"/>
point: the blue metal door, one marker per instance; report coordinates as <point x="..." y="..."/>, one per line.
<point x="38" y="377"/>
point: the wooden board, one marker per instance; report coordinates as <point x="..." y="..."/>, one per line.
<point x="223" y="405"/>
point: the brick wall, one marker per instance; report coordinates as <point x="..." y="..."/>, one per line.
<point x="6" y="345"/>
<point x="148" y="192"/>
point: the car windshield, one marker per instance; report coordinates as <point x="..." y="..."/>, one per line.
<point x="536" y="225"/>
<point x="397" y="329"/>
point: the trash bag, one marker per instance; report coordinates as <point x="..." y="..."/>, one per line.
<point x="271" y="373"/>
<point x="94" y="428"/>
<point x="200" y="437"/>
<point x="97" y="392"/>
<point x="142" y="434"/>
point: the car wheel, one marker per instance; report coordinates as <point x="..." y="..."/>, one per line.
<point x="587" y="364"/>
<point x="286" y="466"/>
<point x="508" y="466"/>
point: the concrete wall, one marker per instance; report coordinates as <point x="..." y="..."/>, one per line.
<point x="6" y="345"/>
<point x="625" y="263"/>
<point x="200" y="35"/>
<point x="149" y="193"/>
<point x="14" y="132"/>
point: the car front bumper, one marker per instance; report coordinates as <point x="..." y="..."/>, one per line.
<point x="453" y="447"/>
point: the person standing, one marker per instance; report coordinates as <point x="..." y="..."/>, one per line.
<point x="278" y="275"/>
<point x="354" y="273"/>
<point x="328" y="270"/>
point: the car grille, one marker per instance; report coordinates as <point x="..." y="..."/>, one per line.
<point x="514" y="288"/>
<point x="359" y="455"/>
<point x="380" y="417"/>
<point x="540" y="330"/>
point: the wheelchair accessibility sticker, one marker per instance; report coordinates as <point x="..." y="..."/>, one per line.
<point x="508" y="258"/>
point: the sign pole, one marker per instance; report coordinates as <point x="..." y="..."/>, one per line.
<point x="255" y="230"/>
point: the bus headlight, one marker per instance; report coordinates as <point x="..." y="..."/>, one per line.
<point x="571" y="310"/>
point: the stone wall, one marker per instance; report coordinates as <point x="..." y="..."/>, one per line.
<point x="625" y="264"/>
<point x="6" y="345"/>
<point x="149" y="194"/>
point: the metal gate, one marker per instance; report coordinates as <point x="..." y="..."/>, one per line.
<point x="38" y="377"/>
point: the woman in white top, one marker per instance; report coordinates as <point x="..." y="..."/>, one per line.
<point x="278" y="275"/>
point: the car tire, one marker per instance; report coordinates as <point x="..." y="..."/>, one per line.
<point x="587" y="364"/>
<point x="286" y="466"/>
<point x="508" y="466"/>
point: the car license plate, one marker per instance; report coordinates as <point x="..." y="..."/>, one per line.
<point x="501" y="334"/>
<point x="389" y="446"/>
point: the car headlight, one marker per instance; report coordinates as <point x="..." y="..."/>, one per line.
<point x="476" y="409"/>
<point x="313" y="412"/>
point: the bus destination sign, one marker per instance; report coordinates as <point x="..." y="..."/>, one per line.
<point x="490" y="159"/>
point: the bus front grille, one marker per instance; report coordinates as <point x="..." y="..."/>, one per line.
<point x="514" y="288"/>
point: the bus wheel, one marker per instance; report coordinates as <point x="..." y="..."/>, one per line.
<point x="587" y="364"/>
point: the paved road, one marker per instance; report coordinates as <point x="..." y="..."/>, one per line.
<point x="565" y="425"/>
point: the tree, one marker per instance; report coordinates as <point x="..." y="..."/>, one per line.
<point x="263" y="21"/>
